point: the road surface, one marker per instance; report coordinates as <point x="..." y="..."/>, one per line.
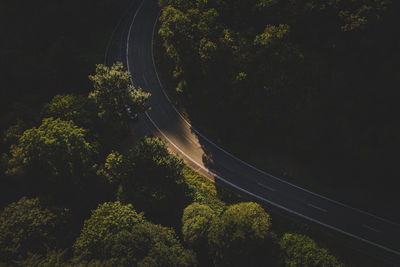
<point x="133" y="45"/>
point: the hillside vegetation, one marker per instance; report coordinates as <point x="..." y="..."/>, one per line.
<point x="81" y="202"/>
<point x="50" y="47"/>
<point x="304" y="89"/>
<point x="76" y="190"/>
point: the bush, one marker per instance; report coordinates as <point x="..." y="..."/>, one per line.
<point x="300" y="250"/>
<point x="241" y="236"/>
<point x="117" y="234"/>
<point x="25" y="226"/>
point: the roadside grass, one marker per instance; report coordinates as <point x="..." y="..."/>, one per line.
<point x="205" y="192"/>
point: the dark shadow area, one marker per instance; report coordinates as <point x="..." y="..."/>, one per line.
<point x="48" y="48"/>
<point x="336" y="137"/>
<point x="349" y="249"/>
<point x="334" y="131"/>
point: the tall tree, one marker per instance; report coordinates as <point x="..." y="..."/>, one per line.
<point x="241" y="236"/>
<point x="25" y="226"/>
<point x="196" y="222"/>
<point x="99" y="231"/>
<point x="55" y="158"/>
<point x="300" y="250"/>
<point x="117" y="234"/>
<point x="151" y="178"/>
<point x="57" y="148"/>
<point x="114" y="94"/>
<point x="70" y="107"/>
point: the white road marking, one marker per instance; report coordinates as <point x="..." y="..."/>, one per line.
<point x="129" y="37"/>
<point x="266" y="187"/>
<point x="270" y="202"/>
<point x="242" y="189"/>
<point x="245" y="163"/>
<point x="372" y="229"/>
<point x="318" y="208"/>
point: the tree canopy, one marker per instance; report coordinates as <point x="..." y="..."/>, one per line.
<point x="55" y="160"/>
<point x="249" y="59"/>
<point x="196" y="221"/>
<point x="114" y="94"/>
<point x="241" y="235"/>
<point x="151" y="178"/>
<point x="300" y="250"/>
<point x="302" y="78"/>
<point x="70" y="107"/>
<point x="56" y="148"/>
<point x="103" y="227"/>
<point x="25" y="226"/>
<point x="117" y="233"/>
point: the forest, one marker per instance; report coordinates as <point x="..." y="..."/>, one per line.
<point x="77" y="190"/>
<point x="84" y="203"/>
<point x="305" y="89"/>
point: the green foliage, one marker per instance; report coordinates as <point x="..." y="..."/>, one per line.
<point x="207" y="49"/>
<point x="103" y="228"/>
<point x="52" y="258"/>
<point x="175" y="25"/>
<point x="203" y="191"/>
<point x="300" y="250"/>
<point x="52" y="54"/>
<point x="114" y="94"/>
<point x="200" y="36"/>
<point x="115" y="169"/>
<point x="115" y="233"/>
<point x="266" y="3"/>
<point x="151" y="178"/>
<point x="70" y="107"/>
<point x="55" y="161"/>
<point x="241" y="236"/>
<point x="357" y="15"/>
<point x="162" y="245"/>
<point x="272" y="35"/>
<point x="13" y="133"/>
<point x="188" y="28"/>
<point x="25" y="226"/>
<point x="196" y="221"/>
<point x="275" y="67"/>
<point x="54" y="149"/>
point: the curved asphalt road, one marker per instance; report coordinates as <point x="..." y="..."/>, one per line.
<point x="133" y="45"/>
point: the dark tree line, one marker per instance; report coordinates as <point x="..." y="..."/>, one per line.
<point x="311" y="84"/>
<point x="70" y="195"/>
<point x="49" y="48"/>
<point x="85" y="204"/>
